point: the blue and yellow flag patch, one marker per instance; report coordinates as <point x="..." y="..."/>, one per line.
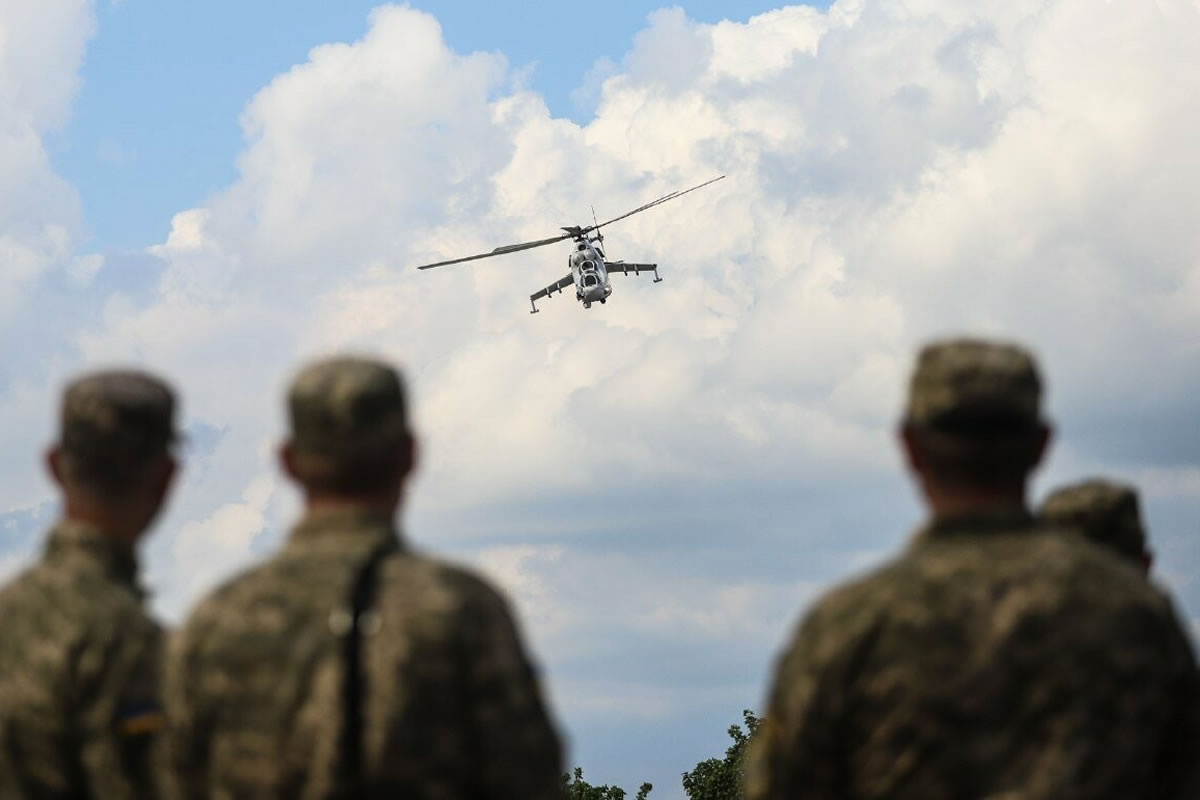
<point x="138" y="719"/>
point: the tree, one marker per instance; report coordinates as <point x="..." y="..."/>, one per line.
<point x="721" y="779"/>
<point x="576" y="788"/>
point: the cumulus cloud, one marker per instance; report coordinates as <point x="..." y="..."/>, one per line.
<point x="675" y="474"/>
<point x="41" y="46"/>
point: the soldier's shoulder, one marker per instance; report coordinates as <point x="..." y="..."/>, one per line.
<point x="849" y="609"/>
<point x="468" y="587"/>
<point x="1105" y="576"/>
<point x="1086" y="567"/>
<point x="92" y="602"/>
<point x="228" y="594"/>
<point x="20" y="586"/>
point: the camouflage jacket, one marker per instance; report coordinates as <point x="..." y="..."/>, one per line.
<point x="253" y="681"/>
<point x="993" y="660"/>
<point x="78" y="665"/>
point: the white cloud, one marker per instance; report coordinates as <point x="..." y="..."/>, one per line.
<point x="558" y="587"/>
<point x="41" y="46"/>
<point x="208" y="551"/>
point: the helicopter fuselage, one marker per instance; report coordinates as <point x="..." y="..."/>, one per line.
<point x="589" y="272"/>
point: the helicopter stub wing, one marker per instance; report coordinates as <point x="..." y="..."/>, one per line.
<point x="627" y="267"/>
<point x="557" y="286"/>
<point x="624" y="267"/>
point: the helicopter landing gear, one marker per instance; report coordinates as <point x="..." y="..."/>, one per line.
<point x="587" y="304"/>
<point x="603" y="300"/>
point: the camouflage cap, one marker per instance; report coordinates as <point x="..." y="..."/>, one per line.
<point x="1105" y="512"/>
<point x="963" y="381"/>
<point x="346" y="405"/>
<point x="117" y="415"/>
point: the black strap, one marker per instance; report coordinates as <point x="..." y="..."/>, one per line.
<point x="362" y="596"/>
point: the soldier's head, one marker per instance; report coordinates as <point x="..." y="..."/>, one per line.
<point x="1105" y="512"/>
<point x="349" y="433"/>
<point x="113" y="458"/>
<point x="973" y="424"/>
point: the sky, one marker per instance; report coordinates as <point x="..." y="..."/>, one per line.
<point x="664" y="483"/>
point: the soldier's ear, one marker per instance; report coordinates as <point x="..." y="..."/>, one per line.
<point x="169" y="469"/>
<point x="161" y="475"/>
<point x="910" y="450"/>
<point x="409" y="455"/>
<point x="287" y="460"/>
<point x="54" y="464"/>
<point x="1045" y="435"/>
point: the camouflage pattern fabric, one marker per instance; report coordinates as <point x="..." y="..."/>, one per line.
<point x="994" y="659"/>
<point x="967" y="376"/>
<point x="253" y="680"/>
<point x="78" y="673"/>
<point x="117" y="414"/>
<point x="343" y="405"/>
<point x="1104" y="512"/>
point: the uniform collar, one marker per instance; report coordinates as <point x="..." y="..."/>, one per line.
<point x="342" y="527"/>
<point x="976" y="523"/>
<point x="72" y="539"/>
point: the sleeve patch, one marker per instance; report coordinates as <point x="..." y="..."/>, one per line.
<point x="136" y="719"/>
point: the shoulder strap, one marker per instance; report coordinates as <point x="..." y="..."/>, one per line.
<point x="362" y="597"/>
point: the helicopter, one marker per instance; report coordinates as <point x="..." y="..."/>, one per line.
<point x="589" y="266"/>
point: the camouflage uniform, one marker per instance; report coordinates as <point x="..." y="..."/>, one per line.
<point x="78" y="652"/>
<point x="255" y="679"/>
<point x="1104" y="512"/>
<point x="993" y="658"/>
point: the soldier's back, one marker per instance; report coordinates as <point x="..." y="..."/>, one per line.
<point x="987" y="662"/>
<point x="452" y="709"/>
<point x="77" y="675"/>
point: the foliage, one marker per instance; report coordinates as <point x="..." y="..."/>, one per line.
<point x="721" y="779"/>
<point x="576" y="788"/>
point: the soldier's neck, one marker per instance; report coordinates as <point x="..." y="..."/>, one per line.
<point x="958" y="500"/>
<point x="115" y="521"/>
<point x="386" y="503"/>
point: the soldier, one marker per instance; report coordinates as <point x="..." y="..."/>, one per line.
<point x="993" y="658"/>
<point x="348" y="665"/>
<point x="1105" y="513"/>
<point x="79" y="659"/>
<point x="1108" y="514"/>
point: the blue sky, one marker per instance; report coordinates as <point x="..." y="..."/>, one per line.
<point x="661" y="484"/>
<point x="195" y="66"/>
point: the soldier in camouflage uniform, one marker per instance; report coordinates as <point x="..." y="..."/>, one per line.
<point x="78" y="652"/>
<point x="273" y="690"/>
<point x="1106" y="513"/>
<point x="993" y="658"/>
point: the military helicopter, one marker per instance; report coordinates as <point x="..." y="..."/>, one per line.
<point x="589" y="266"/>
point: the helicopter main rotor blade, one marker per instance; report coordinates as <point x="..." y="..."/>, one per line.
<point x="572" y="232"/>
<point x="651" y="204"/>
<point x="499" y="251"/>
